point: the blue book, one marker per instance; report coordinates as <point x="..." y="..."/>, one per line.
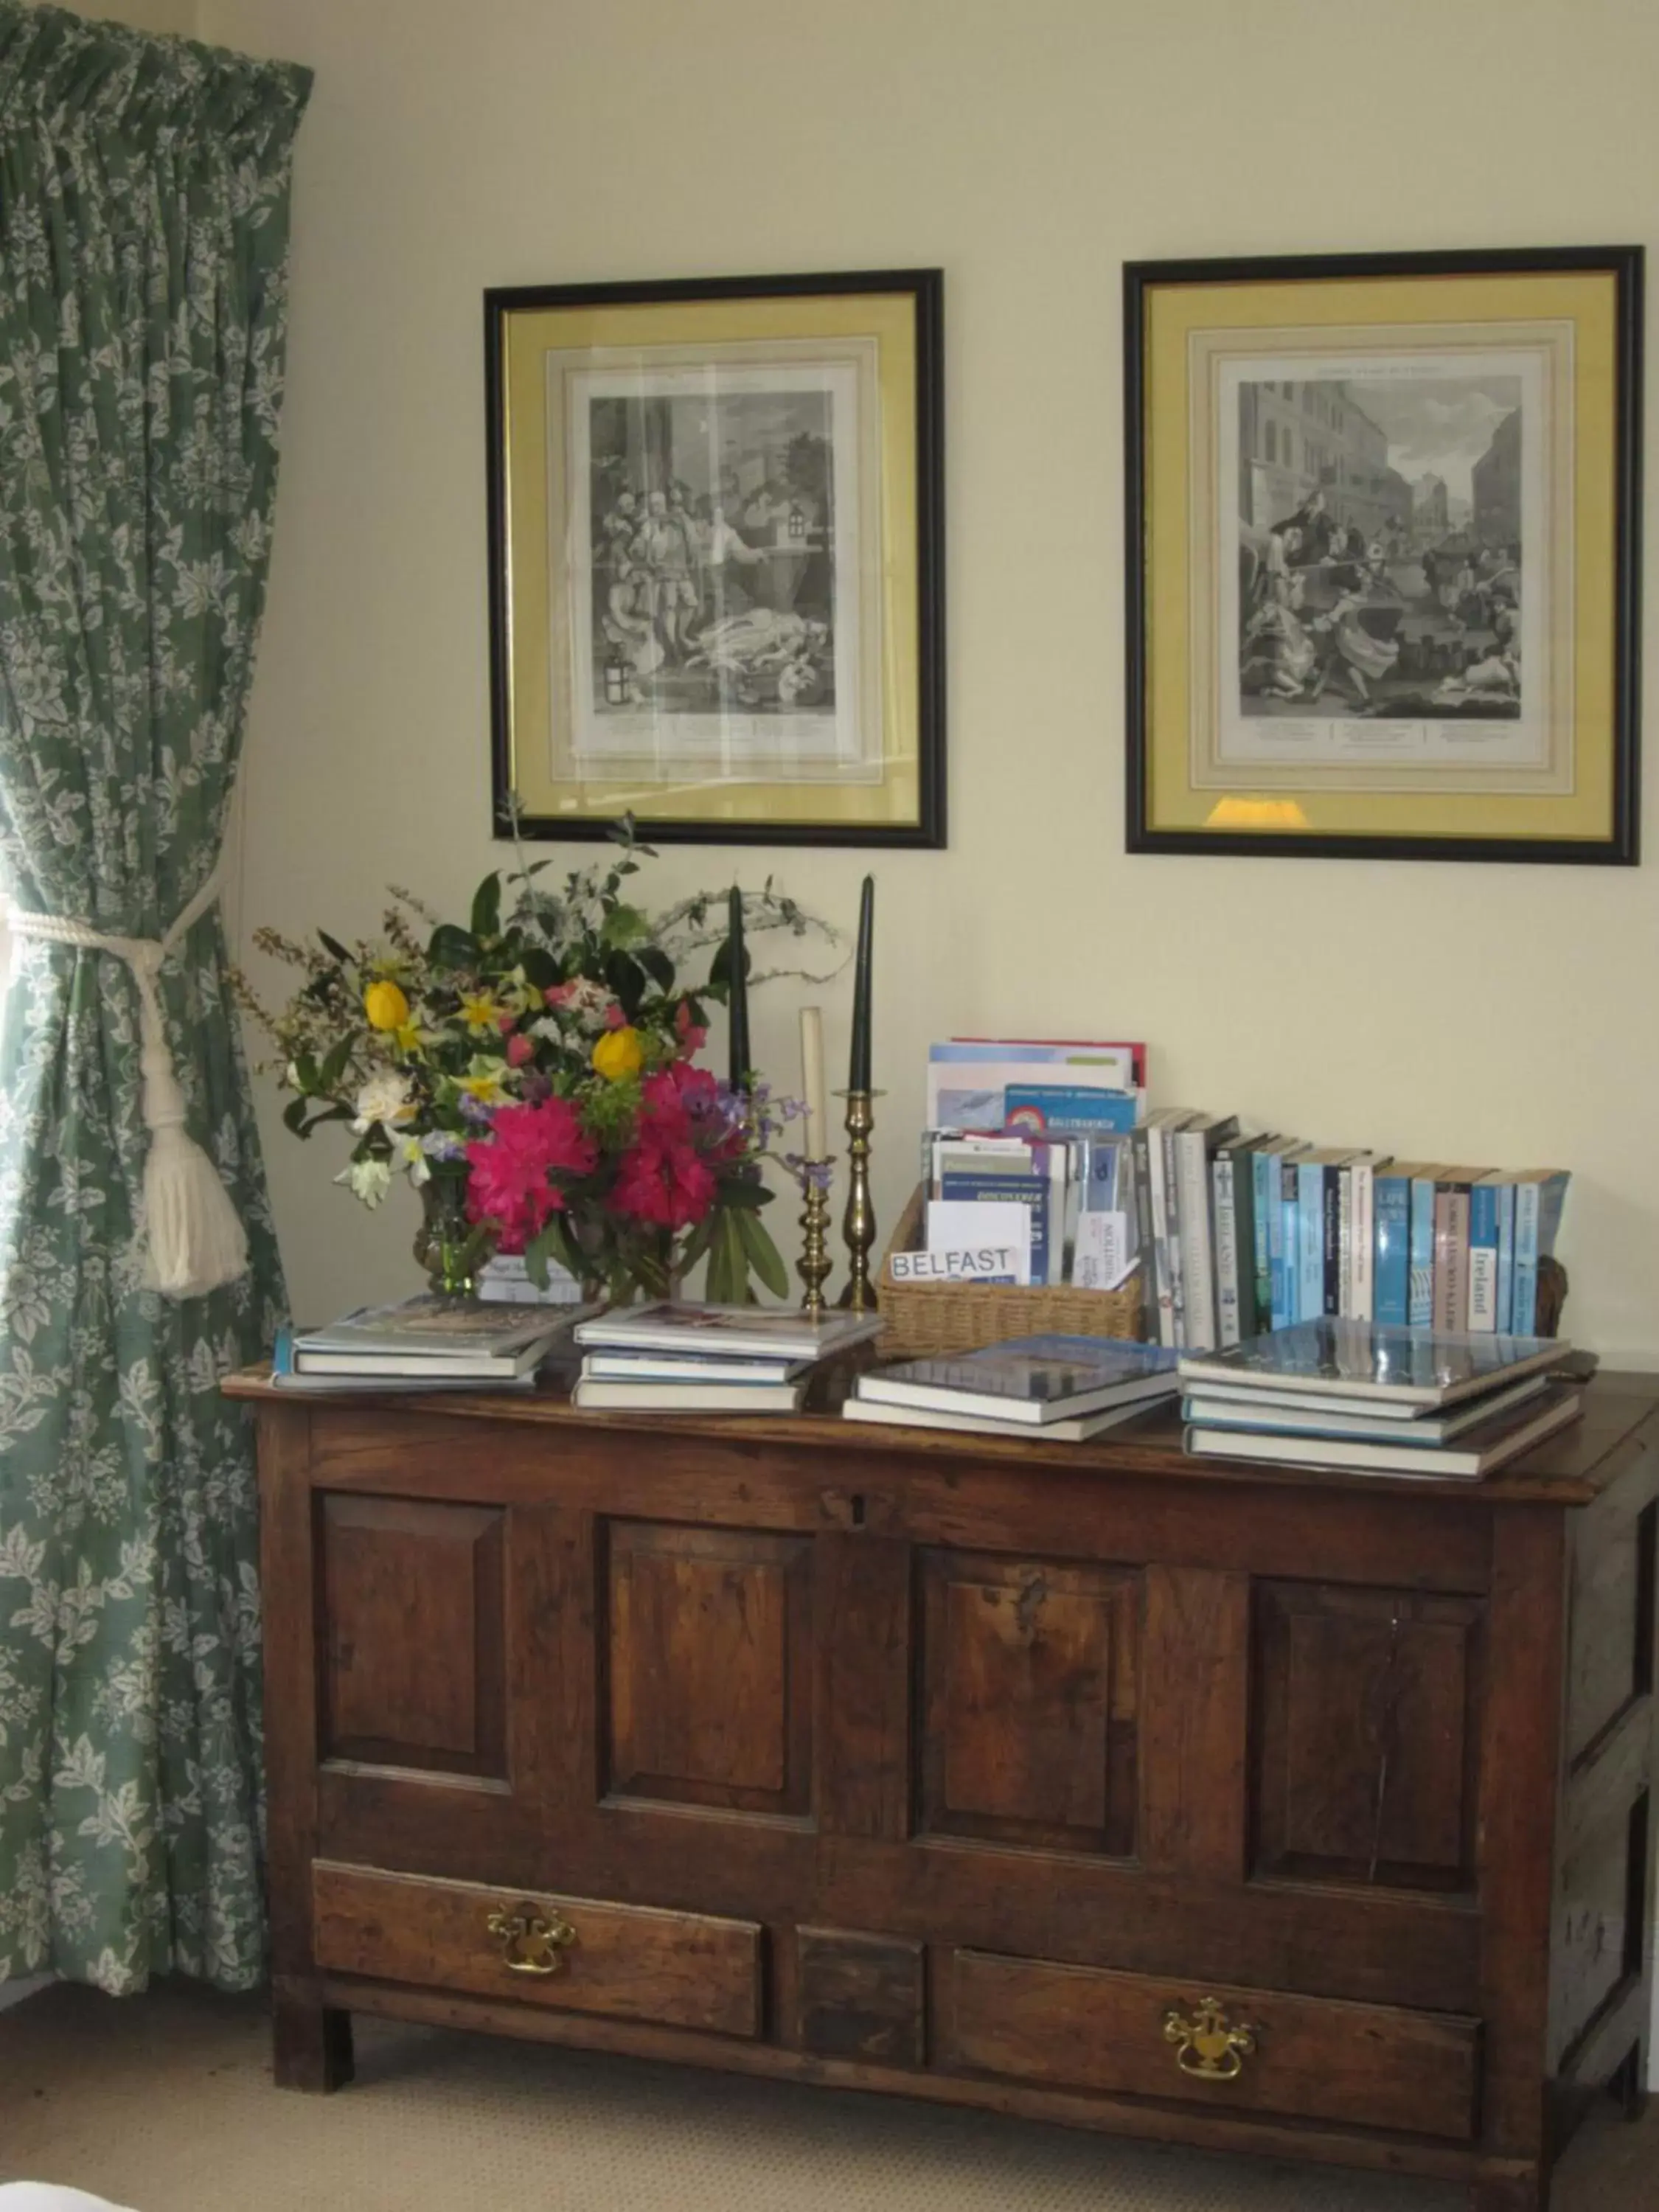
<point x="1391" y="1281"/>
<point x="1420" y="1310"/>
<point x="1059" y="1109"/>
<point x="1262" y="1165"/>
<point x="1030" y="1190"/>
<point x="1483" y="1258"/>
<point x="1505" y="1252"/>
<point x="1286" y="1257"/>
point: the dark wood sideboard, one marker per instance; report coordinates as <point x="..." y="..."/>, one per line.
<point x="1182" y="1799"/>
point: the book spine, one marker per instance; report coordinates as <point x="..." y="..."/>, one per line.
<point x="1197" y="1245"/>
<point x="1506" y="1256"/>
<point x="1264" y="1169"/>
<point x="1226" y="1253"/>
<point x="1331" y="1243"/>
<point x="1172" y="1237"/>
<point x="1365" y="1240"/>
<point x="1526" y="1258"/>
<point x="1140" y="1184"/>
<point x="1420" y="1311"/>
<point x="1288" y="1257"/>
<point x="1345" y="1241"/>
<point x="1483" y="1259"/>
<point x="1159" y="1211"/>
<point x="1310" y="1242"/>
<point x="1451" y="1258"/>
<point x="1244" y="1168"/>
<point x="1394" y="1244"/>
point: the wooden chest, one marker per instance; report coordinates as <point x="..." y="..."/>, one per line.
<point x="1178" y="1799"/>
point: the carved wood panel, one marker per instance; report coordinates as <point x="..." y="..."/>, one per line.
<point x="708" y="1688"/>
<point x="1029" y="1682"/>
<point x="1365" y="1735"/>
<point x="411" y="1649"/>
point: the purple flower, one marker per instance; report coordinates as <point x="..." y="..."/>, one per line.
<point x="474" y="1109"/>
<point x="814" y="1175"/>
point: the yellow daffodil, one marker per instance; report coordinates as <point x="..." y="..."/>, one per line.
<point x="485" y="1087"/>
<point x="409" y="1038"/>
<point x="617" y="1054"/>
<point x="384" y="1005"/>
<point x="481" y="1012"/>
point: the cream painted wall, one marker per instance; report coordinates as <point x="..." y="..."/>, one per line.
<point x="1498" y="1013"/>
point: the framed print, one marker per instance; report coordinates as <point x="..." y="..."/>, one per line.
<point x="716" y="540"/>
<point x="1383" y="590"/>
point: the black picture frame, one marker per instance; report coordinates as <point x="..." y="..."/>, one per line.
<point x="925" y="289"/>
<point x="1620" y="845"/>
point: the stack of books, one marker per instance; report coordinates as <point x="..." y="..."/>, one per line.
<point x="1055" y="1388"/>
<point x="1376" y="1399"/>
<point x="425" y="1343"/>
<point x="676" y="1356"/>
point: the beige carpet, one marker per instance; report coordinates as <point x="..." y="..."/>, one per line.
<point x="165" y="2103"/>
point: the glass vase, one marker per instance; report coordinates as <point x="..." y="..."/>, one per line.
<point x="450" y="1248"/>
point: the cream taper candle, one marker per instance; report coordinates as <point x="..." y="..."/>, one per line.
<point x="812" y="1083"/>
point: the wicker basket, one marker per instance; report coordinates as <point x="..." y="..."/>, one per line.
<point x="927" y="1319"/>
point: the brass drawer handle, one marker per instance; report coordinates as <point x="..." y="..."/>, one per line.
<point x="530" y="1943"/>
<point x="1208" y="2046"/>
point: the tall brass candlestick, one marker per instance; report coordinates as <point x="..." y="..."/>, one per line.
<point x="858" y="1224"/>
<point x="814" y="1264"/>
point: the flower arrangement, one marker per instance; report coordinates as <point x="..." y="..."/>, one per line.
<point x="534" y="1074"/>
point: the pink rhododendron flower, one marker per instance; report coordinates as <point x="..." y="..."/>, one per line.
<point x="504" y="1022"/>
<point x="685" y="1132"/>
<point x="692" y="1035"/>
<point x="663" y="1179"/>
<point x="614" y="1017"/>
<point x="511" y="1168"/>
<point x="561" y="995"/>
<point x="520" y="1048"/>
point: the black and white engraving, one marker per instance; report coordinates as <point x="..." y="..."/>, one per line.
<point x="713" y="552"/>
<point x="1382" y="546"/>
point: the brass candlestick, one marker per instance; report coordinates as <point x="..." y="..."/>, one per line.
<point x="814" y="1264"/>
<point x="858" y="1224"/>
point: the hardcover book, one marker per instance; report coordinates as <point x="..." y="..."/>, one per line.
<point x="1340" y="1359"/>
<point x="749" y="1332"/>
<point x="1194" y="1147"/>
<point x="1076" y="1430"/>
<point x="1481" y="1450"/>
<point x="479" y="1339"/>
<point x="1032" y="1379"/>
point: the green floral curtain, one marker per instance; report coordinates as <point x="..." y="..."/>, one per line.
<point x="143" y="248"/>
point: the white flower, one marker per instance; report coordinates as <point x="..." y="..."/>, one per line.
<point x="384" y="1099"/>
<point x="415" y="1160"/>
<point x="369" y="1180"/>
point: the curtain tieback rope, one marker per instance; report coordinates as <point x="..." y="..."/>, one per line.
<point x="195" y="1240"/>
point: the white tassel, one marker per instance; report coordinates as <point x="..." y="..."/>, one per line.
<point x="195" y="1240"/>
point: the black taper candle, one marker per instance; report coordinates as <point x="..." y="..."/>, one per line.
<point x="858" y="1076"/>
<point x="738" y="1000"/>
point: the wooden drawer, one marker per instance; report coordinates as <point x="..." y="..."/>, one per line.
<point x="684" y="1969"/>
<point x="1313" y="2057"/>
